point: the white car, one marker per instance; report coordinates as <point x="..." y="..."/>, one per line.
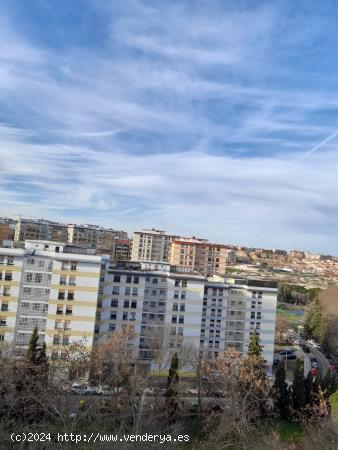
<point x="313" y="343"/>
<point x="81" y="389"/>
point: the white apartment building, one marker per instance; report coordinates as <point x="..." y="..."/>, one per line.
<point x="53" y="287"/>
<point x="71" y="295"/>
<point x="184" y="309"/>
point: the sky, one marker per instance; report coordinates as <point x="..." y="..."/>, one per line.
<point x="217" y="119"/>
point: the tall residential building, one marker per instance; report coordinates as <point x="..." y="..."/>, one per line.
<point x="153" y="245"/>
<point x="53" y="287"/>
<point x="203" y="257"/>
<point x="40" y="229"/>
<point x="95" y="237"/>
<point x="7" y="230"/>
<point x="175" y="307"/>
<point x="71" y="294"/>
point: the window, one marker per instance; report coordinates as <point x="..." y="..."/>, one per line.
<point x="70" y="295"/>
<point x="112" y="327"/>
<point x="101" y="290"/>
<point x="127" y="291"/>
<point x="3" y="322"/>
<point x="259" y="315"/>
<point x="252" y="315"/>
<point x="114" y="303"/>
<point x="4" y="306"/>
<point x="38" y="278"/>
<point x="126" y="304"/>
<point x="177" y="282"/>
<point x="129" y="279"/>
<point x="117" y="278"/>
<point x="63" y="279"/>
<point x="182" y="307"/>
<point x="125" y="316"/>
<point x="113" y="316"/>
<point x="73" y="265"/>
<point x="136" y="279"/>
<point x="135" y="291"/>
<point x="176" y="294"/>
<point x="180" y="331"/>
<point x="184" y="283"/>
<point x="72" y="281"/>
<point x="29" y="277"/>
<point x="181" y="319"/>
<point x="183" y="295"/>
<point x="65" y="340"/>
<point x="174" y="319"/>
<point x="116" y="290"/>
<point x="61" y="295"/>
<point x="59" y="309"/>
<point x="162" y="291"/>
<point x="134" y="305"/>
<point x="219" y="312"/>
<point x="155" y="280"/>
<point x="56" y="339"/>
<point x="154" y="292"/>
<point x="213" y="312"/>
<point x="132" y="316"/>
<point x="175" y="307"/>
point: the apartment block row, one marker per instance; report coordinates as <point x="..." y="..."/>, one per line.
<point x="106" y="241"/>
<point x="72" y="294"/>
<point x="196" y="254"/>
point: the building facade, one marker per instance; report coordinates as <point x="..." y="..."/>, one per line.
<point x="51" y="287"/>
<point x="71" y="294"/>
<point x="203" y="257"/>
<point x="175" y="307"/>
<point x="40" y="229"/>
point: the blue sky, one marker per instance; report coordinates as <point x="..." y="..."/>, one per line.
<point x="206" y="118"/>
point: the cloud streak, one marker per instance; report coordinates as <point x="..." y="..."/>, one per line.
<point x="181" y="119"/>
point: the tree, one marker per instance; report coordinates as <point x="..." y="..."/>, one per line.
<point x="255" y="348"/>
<point x="314" y="324"/>
<point x="298" y="396"/>
<point x="171" y="391"/>
<point x="334" y="406"/>
<point x="280" y="392"/>
<point x="33" y="349"/>
<point x="282" y="326"/>
<point x="329" y="384"/>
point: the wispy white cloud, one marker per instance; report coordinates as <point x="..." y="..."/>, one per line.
<point x="183" y="119"/>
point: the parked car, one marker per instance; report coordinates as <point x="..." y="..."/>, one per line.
<point x="82" y="389"/>
<point x="305" y="348"/>
<point x="289" y="356"/>
<point x="313" y="343"/>
<point x="286" y="351"/>
<point x="275" y="361"/>
<point x="327" y="355"/>
<point x="314" y="363"/>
